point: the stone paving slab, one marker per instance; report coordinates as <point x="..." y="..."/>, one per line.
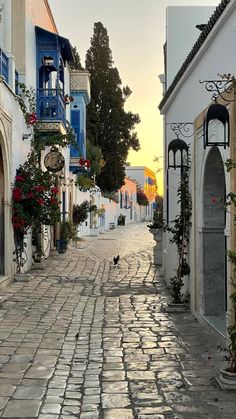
<point x="82" y="339"/>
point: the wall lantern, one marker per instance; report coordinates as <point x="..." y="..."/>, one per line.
<point x="216" y="117"/>
<point x="47" y="61"/>
<point x="177" y="154"/>
<point x="177" y="148"/>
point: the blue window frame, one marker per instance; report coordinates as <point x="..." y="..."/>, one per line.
<point x="4" y="65"/>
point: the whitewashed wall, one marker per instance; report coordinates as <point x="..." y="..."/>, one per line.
<point x="181" y="33"/>
<point x="190" y="98"/>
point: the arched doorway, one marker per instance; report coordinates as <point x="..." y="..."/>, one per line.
<point x="214" y="247"/>
<point x="2" y="244"/>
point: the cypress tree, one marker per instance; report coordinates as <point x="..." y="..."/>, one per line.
<point x="109" y="126"/>
<point x="76" y="65"/>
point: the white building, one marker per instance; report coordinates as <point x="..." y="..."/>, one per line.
<point x="186" y="100"/>
<point x="146" y="180"/>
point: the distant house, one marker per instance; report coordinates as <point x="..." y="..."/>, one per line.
<point x="146" y="180"/>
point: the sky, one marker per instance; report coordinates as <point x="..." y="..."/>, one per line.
<point x="136" y="30"/>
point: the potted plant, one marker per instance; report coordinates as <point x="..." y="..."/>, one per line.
<point x="121" y="220"/>
<point x="68" y="231"/>
<point x="155" y="227"/>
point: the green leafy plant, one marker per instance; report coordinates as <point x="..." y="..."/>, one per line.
<point x="157" y="222"/>
<point x="68" y="231"/>
<point x="142" y="198"/>
<point x="35" y="193"/>
<point x="121" y="220"/>
<point x="179" y="229"/>
<point x="80" y="213"/>
<point x="84" y="182"/>
<point x="34" y="202"/>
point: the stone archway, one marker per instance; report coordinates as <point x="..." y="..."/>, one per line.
<point x="214" y="248"/>
<point x="2" y="236"/>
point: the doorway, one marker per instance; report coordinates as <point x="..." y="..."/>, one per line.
<point x="214" y="244"/>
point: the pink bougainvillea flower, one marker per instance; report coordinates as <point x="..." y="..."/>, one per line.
<point x="32" y="118"/>
<point x="19" y="178"/>
<point x="39" y="188"/>
<point x="17" y="194"/>
<point x="53" y="201"/>
<point x="40" y="201"/>
<point x="54" y="190"/>
<point x="30" y="195"/>
<point x="87" y="163"/>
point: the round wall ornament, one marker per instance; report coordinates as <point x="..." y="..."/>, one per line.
<point x="54" y="161"/>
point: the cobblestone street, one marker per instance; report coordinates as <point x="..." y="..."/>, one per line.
<point x="83" y="339"/>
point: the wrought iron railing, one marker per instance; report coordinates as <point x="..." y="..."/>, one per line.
<point x="4" y="65"/>
<point x="51" y="105"/>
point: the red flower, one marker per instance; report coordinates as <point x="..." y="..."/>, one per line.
<point x="17" y="194"/>
<point x="81" y="161"/>
<point x="87" y="163"/>
<point x="39" y="188"/>
<point x="32" y="118"/>
<point x="19" y="178"/>
<point x="30" y="195"/>
<point x="54" y="190"/>
<point x="40" y="201"/>
<point x="84" y="162"/>
<point x="18" y="222"/>
<point x="213" y="200"/>
<point x="53" y="201"/>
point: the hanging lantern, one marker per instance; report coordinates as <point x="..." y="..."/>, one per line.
<point x="216" y="130"/>
<point x="177" y="154"/>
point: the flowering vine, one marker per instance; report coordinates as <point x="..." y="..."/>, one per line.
<point x="34" y="202"/>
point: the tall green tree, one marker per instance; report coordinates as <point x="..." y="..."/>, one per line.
<point x="76" y="65"/>
<point x="109" y="126"/>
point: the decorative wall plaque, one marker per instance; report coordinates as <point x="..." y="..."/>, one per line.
<point x="54" y="161"/>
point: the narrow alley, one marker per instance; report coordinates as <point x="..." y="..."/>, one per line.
<point x="84" y="339"/>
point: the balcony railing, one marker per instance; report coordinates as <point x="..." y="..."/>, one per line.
<point x="4" y="65"/>
<point x="51" y="105"/>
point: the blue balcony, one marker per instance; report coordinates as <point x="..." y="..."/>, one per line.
<point x="4" y="65"/>
<point x="51" y="106"/>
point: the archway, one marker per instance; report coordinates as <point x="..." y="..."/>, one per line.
<point x="2" y="244"/>
<point x="214" y="248"/>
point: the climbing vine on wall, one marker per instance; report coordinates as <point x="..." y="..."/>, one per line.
<point x="180" y="229"/>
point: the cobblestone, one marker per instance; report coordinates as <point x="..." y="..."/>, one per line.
<point x="83" y="339"/>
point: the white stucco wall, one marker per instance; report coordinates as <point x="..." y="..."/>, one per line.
<point x="181" y="34"/>
<point x="190" y="98"/>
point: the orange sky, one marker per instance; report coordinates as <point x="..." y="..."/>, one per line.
<point x="136" y="29"/>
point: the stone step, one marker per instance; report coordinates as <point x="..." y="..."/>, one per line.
<point x="5" y="281"/>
